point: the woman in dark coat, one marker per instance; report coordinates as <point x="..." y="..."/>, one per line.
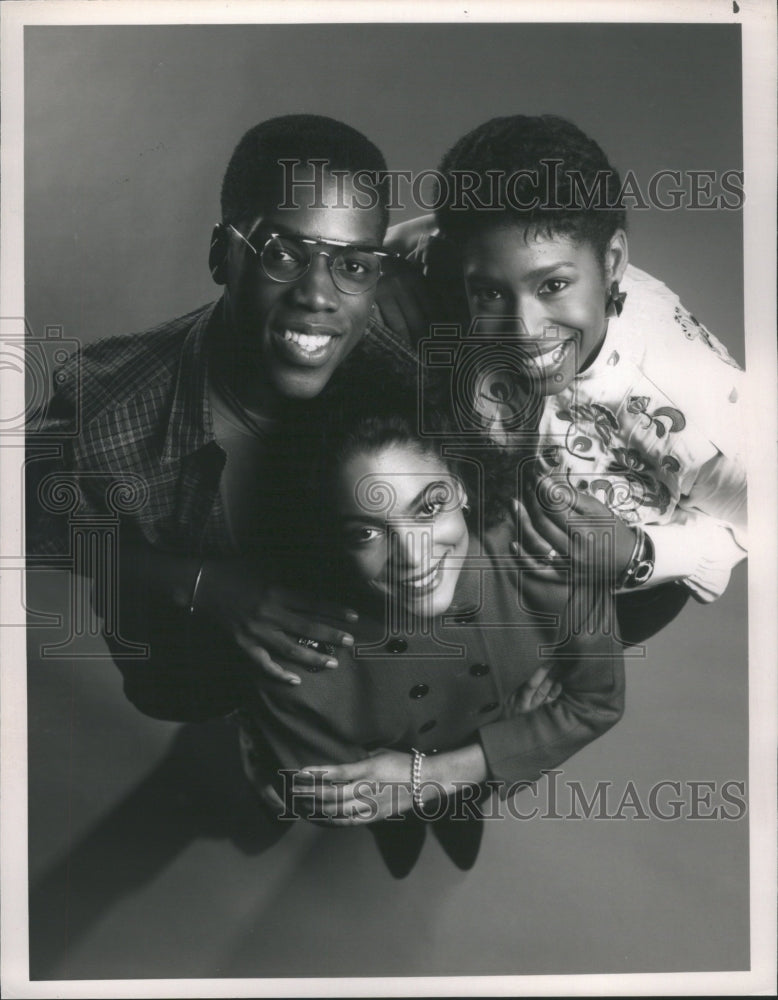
<point x="457" y="638"/>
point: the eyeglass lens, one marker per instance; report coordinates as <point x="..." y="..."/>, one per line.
<point x="286" y="259"/>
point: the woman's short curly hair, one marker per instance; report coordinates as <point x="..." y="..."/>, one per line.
<point x="541" y="172"/>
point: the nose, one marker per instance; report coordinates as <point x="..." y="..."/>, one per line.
<point x="412" y="547"/>
<point x="532" y="316"/>
<point x="523" y="318"/>
<point x="315" y="290"/>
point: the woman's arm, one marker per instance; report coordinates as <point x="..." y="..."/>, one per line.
<point x="510" y="753"/>
<point x="212" y="627"/>
<point x="519" y="749"/>
<point x="703" y="450"/>
<point x="706" y="537"/>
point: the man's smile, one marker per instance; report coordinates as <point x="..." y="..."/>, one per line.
<point x="305" y="344"/>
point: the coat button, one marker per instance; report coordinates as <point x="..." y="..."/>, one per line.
<point x="479" y="669"/>
<point x="489" y="707"/>
<point x="397" y="645"/>
<point x="418" y="691"/>
<point x="428" y="725"/>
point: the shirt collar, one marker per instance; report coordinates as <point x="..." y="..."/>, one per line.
<point x="623" y="341"/>
<point x="190" y="425"/>
<point x="468" y="591"/>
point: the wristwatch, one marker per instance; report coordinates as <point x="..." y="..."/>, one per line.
<point x="640" y="567"/>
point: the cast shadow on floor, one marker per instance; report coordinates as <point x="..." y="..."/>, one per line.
<point x="197" y="790"/>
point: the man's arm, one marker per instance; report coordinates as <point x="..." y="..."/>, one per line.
<point x="153" y="590"/>
<point x="212" y="626"/>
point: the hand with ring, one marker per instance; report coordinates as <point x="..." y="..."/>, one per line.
<point x="579" y="537"/>
<point x="272" y="624"/>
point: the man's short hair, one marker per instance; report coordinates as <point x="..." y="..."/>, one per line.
<point x="253" y="180"/>
<point x="568" y="164"/>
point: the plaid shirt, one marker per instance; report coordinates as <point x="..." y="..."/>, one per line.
<point x="131" y="434"/>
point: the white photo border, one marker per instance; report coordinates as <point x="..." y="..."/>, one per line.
<point x="758" y="21"/>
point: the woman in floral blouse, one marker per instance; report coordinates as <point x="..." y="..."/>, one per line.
<point x="636" y="406"/>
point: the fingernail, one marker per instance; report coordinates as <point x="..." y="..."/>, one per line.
<point x="331" y="664"/>
<point x="514" y="546"/>
<point x="351" y="616"/>
<point x="294" y="679"/>
<point x="347" y="640"/>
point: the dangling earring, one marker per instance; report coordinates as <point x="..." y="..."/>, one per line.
<point x="465" y="507"/>
<point x="615" y="301"/>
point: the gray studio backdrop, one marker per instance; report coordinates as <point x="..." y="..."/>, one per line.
<point x="128" y="130"/>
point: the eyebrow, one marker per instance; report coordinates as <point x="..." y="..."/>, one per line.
<point x="369" y="519"/>
<point x="364" y="519"/>
<point x="538" y="272"/>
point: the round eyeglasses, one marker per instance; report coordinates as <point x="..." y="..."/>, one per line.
<point x="284" y="258"/>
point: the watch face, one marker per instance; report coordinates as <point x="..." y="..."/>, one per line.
<point x="643" y="571"/>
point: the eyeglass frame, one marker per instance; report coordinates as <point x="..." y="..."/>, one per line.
<point x="313" y="241"/>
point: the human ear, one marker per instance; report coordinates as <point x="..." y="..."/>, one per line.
<point x="217" y="255"/>
<point x="616" y="257"/>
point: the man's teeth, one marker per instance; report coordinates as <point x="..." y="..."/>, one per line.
<point x="309" y="342"/>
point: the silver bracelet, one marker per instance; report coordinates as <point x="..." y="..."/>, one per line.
<point x="194" y="589"/>
<point x="418" y="756"/>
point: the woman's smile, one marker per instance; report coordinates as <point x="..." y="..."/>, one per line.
<point x="426" y="581"/>
<point x="552" y="287"/>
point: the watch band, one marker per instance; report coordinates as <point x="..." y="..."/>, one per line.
<point x="640" y="567"/>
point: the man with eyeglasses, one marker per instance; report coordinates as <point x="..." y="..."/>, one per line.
<point x="187" y="409"/>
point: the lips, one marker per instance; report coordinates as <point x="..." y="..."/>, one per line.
<point x="548" y="361"/>
<point x="308" y="342"/>
<point x="424" y="583"/>
<point x="305" y="345"/>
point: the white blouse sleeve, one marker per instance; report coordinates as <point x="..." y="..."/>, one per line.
<point x="706" y="537"/>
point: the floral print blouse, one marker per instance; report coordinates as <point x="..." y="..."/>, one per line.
<point x="652" y="428"/>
